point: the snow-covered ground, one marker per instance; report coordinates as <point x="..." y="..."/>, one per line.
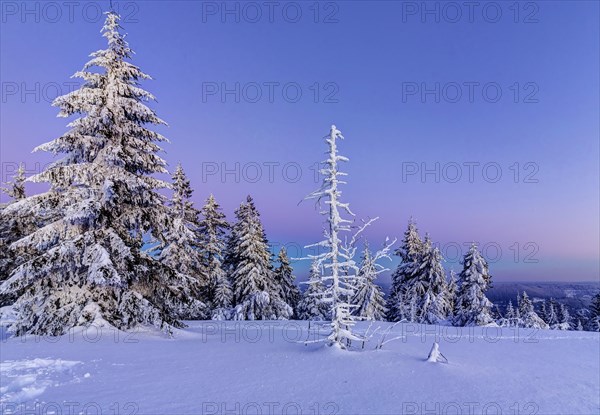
<point x="260" y="368"/>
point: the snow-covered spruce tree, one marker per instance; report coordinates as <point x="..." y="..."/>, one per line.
<point x="543" y="312"/>
<point x="510" y="318"/>
<point x="497" y="314"/>
<point x="517" y="319"/>
<point x="593" y="323"/>
<point x="222" y="298"/>
<point x="472" y="306"/>
<point x="88" y="265"/>
<point x="452" y="291"/>
<point x="428" y="286"/>
<point x="255" y="294"/>
<point x="212" y="230"/>
<point x="368" y="297"/>
<point x="337" y="266"/>
<point x="582" y="316"/>
<point x="423" y="281"/>
<point x="551" y="313"/>
<point x="179" y="248"/>
<point x="564" y="318"/>
<point x="242" y="215"/>
<point x="284" y="280"/>
<point x="528" y="318"/>
<point x="230" y="257"/>
<point x="410" y="253"/>
<point x="313" y="305"/>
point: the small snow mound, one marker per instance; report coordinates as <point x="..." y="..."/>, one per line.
<point x="435" y="355"/>
<point x="23" y="380"/>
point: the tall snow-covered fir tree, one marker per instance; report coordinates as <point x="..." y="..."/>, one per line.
<point x="338" y="268"/>
<point x="368" y="297"/>
<point x="419" y="288"/>
<point x="429" y="287"/>
<point x="255" y="294"/>
<point x="313" y="305"/>
<point x="181" y="251"/>
<point x="231" y="258"/>
<point x="472" y="306"/>
<point x="179" y="248"/>
<point x="87" y="265"/>
<point x="528" y="318"/>
<point x="410" y="253"/>
<point x="212" y="230"/>
<point x="284" y="280"/>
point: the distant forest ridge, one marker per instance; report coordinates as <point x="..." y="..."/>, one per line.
<point x="574" y="294"/>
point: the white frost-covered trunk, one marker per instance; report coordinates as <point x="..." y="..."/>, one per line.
<point x="337" y="261"/>
<point x="338" y="269"/>
<point x="337" y="320"/>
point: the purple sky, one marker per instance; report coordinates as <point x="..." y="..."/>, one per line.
<point x="360" y="62"/>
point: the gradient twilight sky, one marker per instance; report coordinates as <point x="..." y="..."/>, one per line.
<point x="542" y="224"/>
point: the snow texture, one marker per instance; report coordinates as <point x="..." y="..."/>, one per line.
<point x="536" y="371"/>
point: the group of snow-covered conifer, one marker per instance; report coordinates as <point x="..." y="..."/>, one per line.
<point x="103" y="245"/>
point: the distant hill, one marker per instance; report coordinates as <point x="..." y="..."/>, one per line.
<point x="574" y="294"/>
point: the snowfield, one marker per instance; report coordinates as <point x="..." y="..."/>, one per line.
<point x="261" y="368"/>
